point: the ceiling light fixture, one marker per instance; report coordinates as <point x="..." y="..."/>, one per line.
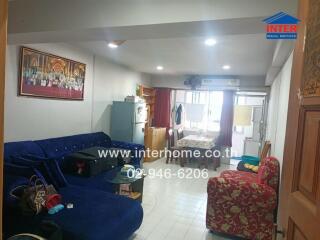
<point x="159" y="68"/>
<point x="112" y="45"/>
<point x="210" y="42"/>
<point x="115" y="44"/>
<point x="226" y="67"/>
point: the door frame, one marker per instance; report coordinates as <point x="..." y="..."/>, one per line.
<point x="293" y="117"/>
<point x="299" y="102"/>
<point x="3" y="46"/>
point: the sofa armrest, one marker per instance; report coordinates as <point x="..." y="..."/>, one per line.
<point x="136" y="150"/>
<point x="242" y="193"/>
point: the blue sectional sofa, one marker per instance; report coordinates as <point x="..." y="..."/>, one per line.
<point x="98" y="213"/>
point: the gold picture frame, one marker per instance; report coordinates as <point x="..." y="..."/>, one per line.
<point x="50" y="76"/>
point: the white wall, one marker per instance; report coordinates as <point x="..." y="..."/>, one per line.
<point x="38" y="118"/>
<point x="34" y="118"/>
<point x="112" y="83"/>
<point x="278" y="109"/>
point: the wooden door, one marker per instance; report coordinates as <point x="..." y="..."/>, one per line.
<point x="3" y="45"/>
<point x="300" y="191"/>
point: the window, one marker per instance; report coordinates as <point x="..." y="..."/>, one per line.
<point x="202" y="109"/>
<point x="247" y="99"/>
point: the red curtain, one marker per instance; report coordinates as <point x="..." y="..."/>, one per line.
<point x="162" y="108"/>
<point x="226" y="122"/>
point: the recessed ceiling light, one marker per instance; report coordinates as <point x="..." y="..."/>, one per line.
<point x="210" y="42"/>
<point x="226" y="67"/>
<point x="116" y="43"/>
<point x="159" y="68"/>
<point x="112" y="45"/>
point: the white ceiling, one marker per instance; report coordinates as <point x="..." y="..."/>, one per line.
<point x="167" y="32"/>
<point x="249" y="54"/>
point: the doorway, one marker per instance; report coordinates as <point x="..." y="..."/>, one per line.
<point x="249" y="123"/>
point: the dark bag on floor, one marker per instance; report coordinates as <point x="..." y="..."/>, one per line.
<point x="93" y="161"/>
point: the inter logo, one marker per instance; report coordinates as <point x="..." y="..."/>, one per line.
<point x="281" y="26"/>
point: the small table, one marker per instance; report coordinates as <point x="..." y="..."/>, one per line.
<point x="201" y="143"/>
<point x="135" y="184"/>
<point x="196" y="141"/>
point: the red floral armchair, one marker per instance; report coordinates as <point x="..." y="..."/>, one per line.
<point x="244" y="204"/>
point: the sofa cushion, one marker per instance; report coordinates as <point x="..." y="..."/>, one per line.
<point x="95" y="182"/>
<point x="53" y="166"/>
<point x="96" y="215"/>
<point x="48" y="167"/>
<point x="57" y="172"/>
<point x="42" y="166"/>
<point x="22" y="171"/>
<point x="59" y="147"/>
<point x="99" y="215"/>
<point x="269" y="172"/>
<point x="239" y="175"/>
<point x="19" y="148"/>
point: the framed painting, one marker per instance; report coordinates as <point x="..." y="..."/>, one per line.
<point x="49" y="76"/>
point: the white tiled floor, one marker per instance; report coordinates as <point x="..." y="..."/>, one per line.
<point x="175" y="208"/>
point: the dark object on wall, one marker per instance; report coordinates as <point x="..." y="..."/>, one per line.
<point x="50" y="76"/>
